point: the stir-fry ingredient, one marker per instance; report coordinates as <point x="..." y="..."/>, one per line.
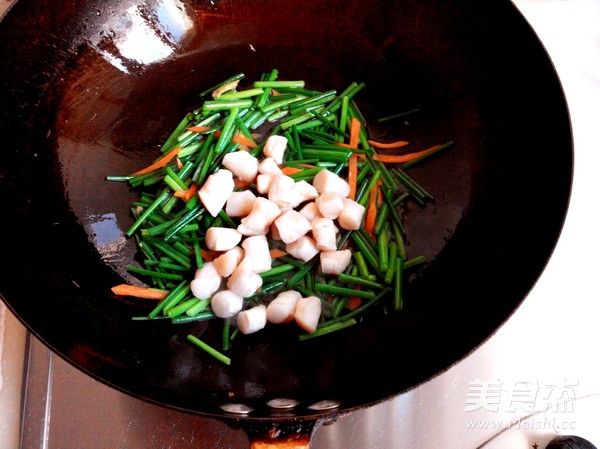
<point x="270" y="205"/>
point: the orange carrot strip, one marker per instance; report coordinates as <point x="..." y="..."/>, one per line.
<point x="207" y="256"/>
<point x="239" y="139"/>
<point x="401" y="158"/>
<point x="199" y="129"/>
<point x="138" y="292"/>
<point x="243" y="140"/>
<point x="191" y="192"/>
<point x="352" y="175"/>
<point x="343" y="145"/>
<point x="241" y="184"/>
<point x="383" y="145"/>
<point x="277" y="253"/>
<point x="188" y="193"/>
<point x="290" y="170"/>
<point x="371" y="214"/>
<point x="354" y="303"/>
<point x="159" y="163"/>
<point x="354" y="132"/>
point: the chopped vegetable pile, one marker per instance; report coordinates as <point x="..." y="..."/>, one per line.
<point x="269" y="205"/>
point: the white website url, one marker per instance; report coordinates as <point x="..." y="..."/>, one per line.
<point x="537" y="424"/>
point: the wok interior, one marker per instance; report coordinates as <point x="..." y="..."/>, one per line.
<point x="88" y="109"/>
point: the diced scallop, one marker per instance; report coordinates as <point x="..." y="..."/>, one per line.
<point x="292" y="225"/>
<point x="242" y="164"/>
<point x="239" y="204"/>
<point x="206" y="281"/>
<point x="268" y="166"/>
<point x="252" y="320"/>
<point x="275" y="147"/>
<point x="222" y="239"/>
<point x="311" y="211"/>
<point x="330" y="204"/>
<point x="216" y="190"/>
<point x="243" y="281"/>
<point x="282" y="308"/>
<point x="256" y="253"/>
<point x="281" y="191"/>
<point x="324" y="232"/>
<point x="226" y="303"/>
<point x="302" y="191"/>
<point x="304" y="248"/>
<point x="335" y="262"/>
<point x="327" y="181"/>
<point x="228" y="261"/>
<point x="263" y="214"/>
<point x="352" y="215"/>
<point x="308" y="313"/>
<point x="263" y="182"/>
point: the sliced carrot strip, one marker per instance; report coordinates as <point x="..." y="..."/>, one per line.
<point x="290" y="170"/>
<point x="207" y="256"/>
<point x="371" y="214"/>
<point x="277" y="253"/>
<point x="187" y="195"/>
<point x="354" y="132"/>
<point x="241" y="184"/>
<point x="389" y="145"/>
<point x="239" y="139"/>
<point x="354" y="303"/>
<point x="159" y="163"/>
<point x="199" y="129"/>
<point x="243" y="140"/>
<point x="139" y="292"/>
<point x="401" y="158"/>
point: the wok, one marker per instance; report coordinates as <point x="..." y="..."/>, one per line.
<point x="92" y="88"/>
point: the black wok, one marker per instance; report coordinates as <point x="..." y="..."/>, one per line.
<point x="83" y="99"/>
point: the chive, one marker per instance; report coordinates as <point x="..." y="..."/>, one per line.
<point x="366" y="250"/>
<point x="296" y="278"/>
<point x="412" y="186"/>
<point x="414" y="261"/>
<point x="382" y="249"/>
<point x="226" y="332"/>
<point x="278" y="270"/>
<point x="217" y="105"/>
<point x="344" y="291"/>
<point x="209" y="349"/>
<point x="198" y="307"/>
<point x="174" y="296"/>
<point x="328" y="329"/>
<point x="361" y="264"/>
<point x="278" y="84"/>
<point x="202" y="316"/>
<point x="182" y="307"/>
<point x="157" y="203"/>
<point x="118" y="178"/>
<point x="264" y="97"/>
<point x="248" y="93"/>
<point x="170" y="251"/>
<point x="398" y="290"/>
<point x="357" y="280"/>
<point x="381" y="221"/>
<point x="427" y="155"/>
<point x="228" y="130"/>
<point x="237" y="77"/>
<point x="392" y="256"/>
<point x="172" y="139"/>
<point x="154" y="273"/>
